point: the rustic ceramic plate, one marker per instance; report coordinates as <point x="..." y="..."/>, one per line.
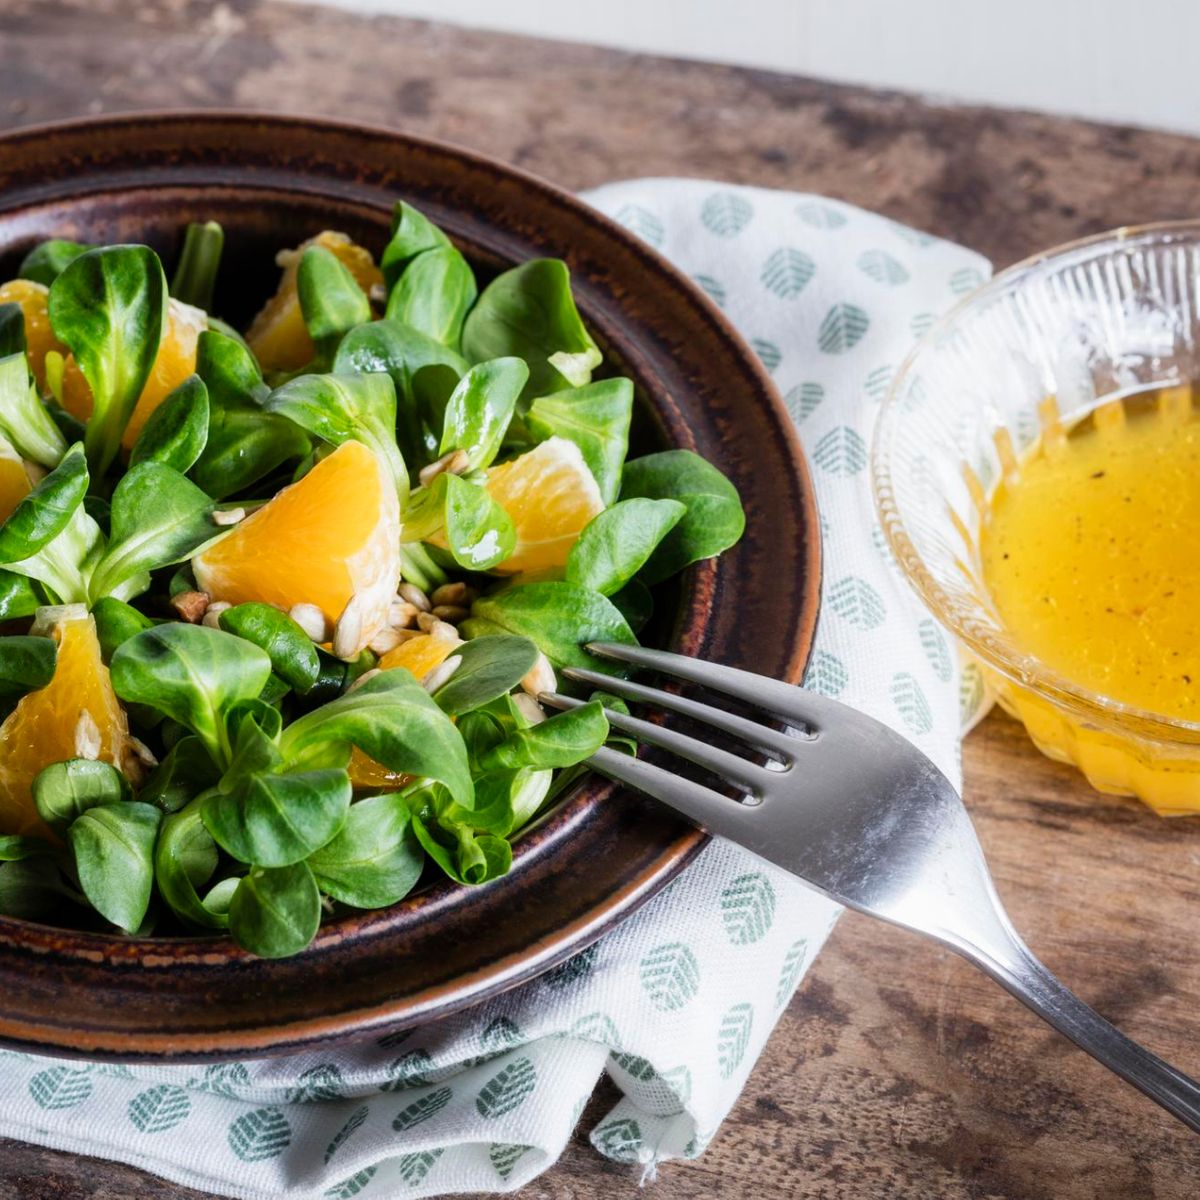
<point x="272" y="182"/>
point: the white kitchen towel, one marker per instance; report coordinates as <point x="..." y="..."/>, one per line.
<point x="676" y="1003"/>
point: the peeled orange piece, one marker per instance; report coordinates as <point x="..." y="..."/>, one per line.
<point x="34" y="299"/>
<point x="278" y="335"/>
<point x="175" y="361"/>
<point x="14" y="480"/>
<point x="419" y="655"/>
<point x="331" y="536"/>
<point x="76" y="715"/>
<point x="551" y="494"/>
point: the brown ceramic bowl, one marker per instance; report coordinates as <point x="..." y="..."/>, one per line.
<point x="271" y="182"/>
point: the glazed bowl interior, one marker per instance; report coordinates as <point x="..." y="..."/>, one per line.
<point x="272" y="182"/>
<point x="1042" y="348"/>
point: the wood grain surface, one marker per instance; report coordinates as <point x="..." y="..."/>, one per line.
<point x="898" y="1071"/>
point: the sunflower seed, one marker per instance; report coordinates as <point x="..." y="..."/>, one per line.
<point x="440" y="629"/>
<point x="228" y="516"/>
<point x="541" y="677"/>
<point x="191" y="606"/>
<point x="451" y="612"/>
<point x="143" y="752"/>
<point x="414" y="596"/>
<point x="377" y="294"/>
<point x="87" y="736"/>
<point x="436" y="627"/>
<point x="530" y="708"/>
<point x="355" y="684"/>
<point x="454" y="463"/>
<point x="347" y="634"/>
<point x="401" y="614"/>
<point x="453" y="593"/>
<point x="213" y="612"/>
<point x="312" y="620"/>
<point x="441" y="673"/>
<point x="385" y="640"/>
<point x="407" y="635"/>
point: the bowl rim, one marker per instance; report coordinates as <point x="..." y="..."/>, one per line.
<point x="568" y="939"/>
<point x="1024" y="669"/>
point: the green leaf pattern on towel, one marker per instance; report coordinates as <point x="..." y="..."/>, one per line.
<point x="159" y="1108"/>
<point x="260" y="1134"/>
<point x="507" y="1090"/>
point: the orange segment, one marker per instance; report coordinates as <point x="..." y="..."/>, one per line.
<point x="14" y="480"/>
<point x="419" y="655"/>
<point x="278" y="335"/>
<point x="551" y="495"/>
<point x="175" y="361"/>
<point x="34" y="299"/>
<point x="333" y="535"/>
<point x="60" y="721"/>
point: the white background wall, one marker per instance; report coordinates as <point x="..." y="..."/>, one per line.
<point x="1116" y="60"/>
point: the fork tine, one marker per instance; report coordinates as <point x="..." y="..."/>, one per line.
<point x="782" y="699"/>
<point x="699" y="804"/>
<point x="781" y="745"/>
<point x="729" y="766"/>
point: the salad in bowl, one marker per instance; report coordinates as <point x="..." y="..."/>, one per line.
<point x="276" y="605"/>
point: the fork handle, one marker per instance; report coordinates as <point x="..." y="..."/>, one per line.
<point x="1022" y="974"/>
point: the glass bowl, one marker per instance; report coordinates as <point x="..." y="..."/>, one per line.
<point x="1048" y="342"/>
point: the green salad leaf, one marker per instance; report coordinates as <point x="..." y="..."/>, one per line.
<point x="275" y="912"/>
<point x="19" y="596"/>
<point x="47" y="260"/>
<point x="597" y="419"/>
<point x="64" y="791"/>
<point x="342" y="408"/>
<point x="26" y="664"/>
<point x="24" y="420"/>
<point x="112" y="846"/>
<point x="480" y="409"/>
<point x="374" y="859"/>
<point x="617" y="543"/>
<point x="462" y="516"/>
<point x="192" y="674"/>
<point x="423" y="371"/>
<point x="50" y="537"/>
<point x="714" y="520"/>
<point x="487" y="668"/>
<point x="245" y="443"/>
<point x="12" y="329"/>
<point x="412" y="234"/>
<point x="560" y="741"/>
<point x="185" y="858"/>
<point x="176" y="432"/>
<point x="274" y="820"/>
<point x="331" y="301"/>
<point x="159" y="518"/>
<point x="196" y="275"/>
<point x="109" y="307"/>
<point x="529" y="313"/>
<point x="559" y="618"/>
<point x="434" y="294"/>
<point x="293" y="656"/>
<point x="393" y="720"/>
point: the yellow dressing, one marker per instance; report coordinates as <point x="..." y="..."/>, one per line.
<point x="1089" y="553"/>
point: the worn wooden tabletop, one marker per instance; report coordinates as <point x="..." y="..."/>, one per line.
<point x="898" y="1071"/>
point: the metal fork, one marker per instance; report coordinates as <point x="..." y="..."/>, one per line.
<point x="856" y="811"/>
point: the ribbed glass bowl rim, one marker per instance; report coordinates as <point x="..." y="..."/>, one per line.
<point x="1023" y="669"/>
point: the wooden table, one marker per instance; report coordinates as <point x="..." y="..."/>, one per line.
<point x="898" y="1071"/>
